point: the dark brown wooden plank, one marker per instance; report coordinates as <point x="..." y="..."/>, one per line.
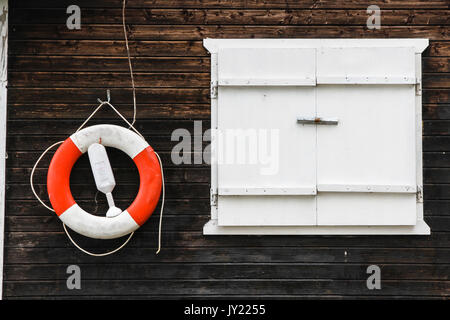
<point x="147" y="64"/>
<point x="81" y="111"/>
<point x="225" y="271"/>
<point x="129" y="191"/>
<point x="26" y="159"/>
<point x="436" y="127"/>
<point x="199" y="32"/>
<point x="131" y="175"/>
<point x="231" y="16"/>
<point x="436" y="111"/>
<point x="147" y="127"/>
<point x="172" y="206"/>
<point x="51" y="223"/>
<point x="236" y="255"/>
<point x="195" y="239"/>
<point x="118" y="95"/>
<point x="26" y="143"/>
<point x="140" y="64"/>
<point x="116" y="48"/>
<point x="229" y="287"/>
<point x="436" y="159"/>
<point x="122" y="80"/>
<point x="309" y="4"/>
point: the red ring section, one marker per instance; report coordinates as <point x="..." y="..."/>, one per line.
<point x="58" y="176"/>
<point x="58" y="181"/>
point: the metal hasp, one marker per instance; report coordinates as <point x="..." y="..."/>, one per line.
<point x="316" y="120"/>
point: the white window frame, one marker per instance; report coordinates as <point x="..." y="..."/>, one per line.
<point x="213" y="46"/>
<point x="3" y="106"/>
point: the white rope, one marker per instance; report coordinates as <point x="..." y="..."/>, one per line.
<point x="129" y="60"/>
<point x="131" y="126"/>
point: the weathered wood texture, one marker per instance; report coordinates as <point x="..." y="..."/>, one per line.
<point x="55" y="77"/>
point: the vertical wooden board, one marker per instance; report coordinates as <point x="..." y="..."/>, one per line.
<point x="366" y="209"/>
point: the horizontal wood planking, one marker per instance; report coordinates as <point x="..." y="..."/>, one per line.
<point x="232" y="16"/>
<point x="117" y="48"/>
<point x="199" y="32"/>
<point x="147" y="64"/>
<point x="140" y="64"/>
<point x="172" y="223"/>
<point x="149" y="110"/>
<point x="173" y="57"/>
<point x="195" y="239"/>
<point x="237" y="255"/>
<point x="149" y="271"/>
<point x="228" y="287"/>
<point x="210" y="4"/>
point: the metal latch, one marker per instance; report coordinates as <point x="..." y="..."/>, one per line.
<point x="317" y="120"/>
<point x="419" y="194"/>
<point x="418" y="87"/>
<point x="213" y="199"/>
<point x="214" y="89"/>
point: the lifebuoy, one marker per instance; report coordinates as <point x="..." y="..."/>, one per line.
<point x="58" y="182"/>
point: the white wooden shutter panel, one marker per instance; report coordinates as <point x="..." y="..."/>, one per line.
<point x="261" y="93"/>
<point x="366" y="164"/>
<point x="346" y="114"/>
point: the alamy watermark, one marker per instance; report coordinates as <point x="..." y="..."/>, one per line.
<point x="74" y="279"/>
<point x="73" y="22"/>
<point x="374" y="20"/>
<point x="253" y="147"/>
<point x="374" y="280"/>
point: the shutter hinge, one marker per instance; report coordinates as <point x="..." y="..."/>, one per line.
<point x="214" y="90"/>
<point x="213" y="199"/>
<point x="419" y="194"/>
<point x="418" y="87"/>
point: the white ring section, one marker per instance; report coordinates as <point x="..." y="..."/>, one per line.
<point x="110" y="136"/>
<point x="98" y="227"/>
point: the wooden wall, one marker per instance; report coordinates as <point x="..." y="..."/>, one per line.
<point x="55" y="77"/>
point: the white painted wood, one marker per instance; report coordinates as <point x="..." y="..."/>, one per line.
<point x="3" y="106"/>
<point x="213" y="45"/>
<point x="214" y="126"/>
<point x="366" y="188"/>
<point x="368" y="169"/>
<point x="265" y="67"/>
<point x="267" y="210"/>
<point x="212" y="228"/>
<point x="267" y="191"/>
<point x="374" y="142"/>
<point x="268" y="113"/>
<point x="365" y="209"/>
<point x="366" y="65"/>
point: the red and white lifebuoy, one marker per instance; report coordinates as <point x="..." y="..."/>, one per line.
<point x="58" y="182"/>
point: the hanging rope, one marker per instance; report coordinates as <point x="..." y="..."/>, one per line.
<point x="129" y="60"/>
<point x="131" y="126"/>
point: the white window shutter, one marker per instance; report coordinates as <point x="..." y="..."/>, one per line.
<point x="341" y="120"/>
